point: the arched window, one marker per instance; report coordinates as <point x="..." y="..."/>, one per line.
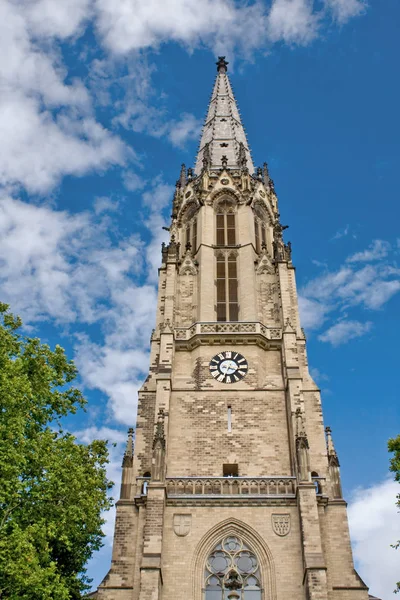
<point x="260" y="228"/>
<point x="227" y="287"/>
<point x="226" y="234"/>
<point x="191" y="227"/>
<point x="232" y="572"/>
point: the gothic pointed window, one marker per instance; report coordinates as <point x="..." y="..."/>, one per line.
<point x="226" y="234"/>
<point x="232" y="572"/>
<point x="227" y="287"/>
<point x="190" y="238"/>
<point x="260" y="228"/>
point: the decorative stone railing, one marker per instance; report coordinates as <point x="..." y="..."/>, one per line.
<point x="230" y="486"/>
<point x="196" y="487"/>
<point x="212" y="328"/>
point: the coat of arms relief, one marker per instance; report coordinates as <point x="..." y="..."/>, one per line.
<point x="182" y="524"/>
<point x="281" y="524"/>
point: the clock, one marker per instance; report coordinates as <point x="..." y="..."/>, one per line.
<point x="228" y="366"/>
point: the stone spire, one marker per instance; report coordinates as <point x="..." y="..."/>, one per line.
<point x="223" y="141"/>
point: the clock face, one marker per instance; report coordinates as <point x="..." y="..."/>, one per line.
<point x="228" y="367"/>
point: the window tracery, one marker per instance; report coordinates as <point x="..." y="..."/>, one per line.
<point x="190" y="226"/>
<point x="226" y="226"/>
<point x="227" y="286"/>
<point x="232" y="572"/>
<point x="260" y="228"/>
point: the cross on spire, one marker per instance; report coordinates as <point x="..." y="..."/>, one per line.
<point x="222" y="64"/>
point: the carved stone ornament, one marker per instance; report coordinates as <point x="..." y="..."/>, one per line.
<point x="281" y="524"/>
<point x="262" y="194"/>
<point x="182" y="525"/>
<point x="188" y="266"/>
<point x="188" y="194"/>
<point x="224" y="181"/>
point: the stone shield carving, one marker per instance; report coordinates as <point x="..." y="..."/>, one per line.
<point x="281" y="524"/>
<point x="182" y="524"/>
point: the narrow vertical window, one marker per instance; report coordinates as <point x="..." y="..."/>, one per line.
<point x="227" y="288"/>
<point x="257" y="234"/>
<point x="220" y="230"/>
<point x="188" y="240"/>
<point x="221" y="289"/>
<point x="194" y="236"/>
<point x="233" y="289"/>
<point x="260" y="228"/>
<point x="229" y="419"/>
<point x="190" y="228"/>
<point x="226" y="234"/>
<point x="230" y="229"/>
<point x="263" y="235"/>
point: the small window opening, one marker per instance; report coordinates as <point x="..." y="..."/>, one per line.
<point x="229" y="419"/>
<point x="317" y="483"/>
<point x="145" y="483"/>
<point x="231" y="470"/>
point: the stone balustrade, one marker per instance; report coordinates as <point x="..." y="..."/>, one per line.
<point x="230" y="486"/>
<point x="263" y="487"/>
<point x="212" y="328"/>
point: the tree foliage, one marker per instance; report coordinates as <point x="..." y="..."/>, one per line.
<point x="394" y="446"/>
<point x="52" y="489"/>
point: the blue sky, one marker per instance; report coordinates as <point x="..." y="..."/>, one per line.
<point x="102" y="100"/>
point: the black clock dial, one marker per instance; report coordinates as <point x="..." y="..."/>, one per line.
<point x="228" y="366"/>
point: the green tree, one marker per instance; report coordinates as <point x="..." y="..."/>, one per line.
<point x="52" y="489"/>
<point x="394" y="446"/>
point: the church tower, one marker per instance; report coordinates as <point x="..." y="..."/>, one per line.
<point x="231" y="486"/>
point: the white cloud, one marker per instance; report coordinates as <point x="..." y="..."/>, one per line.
<point x="341" y="233"/>
<point x="103" y="204"/>
<point x="118" y="373"/>
<point x="46" y="126"/>
<point x="187" y="128"/>
<point x="344" y="331"/>
<point x="37" y="150"/>
<point x="131" y="24"/>
<point x="312" y="313"/>
<point x="133" y="181"/>
<point x="375" y="525"/>
<point x="292" y="21"/>
<point x="378" y="294"/>
<point x="317" y="375"/>
<point x="54" y="264"/>
<point x="63" y="18"/>
<point x="369" y="286"/>
<point x="343" y="10"/>
<point x="377" y="250"/>
<point x="58" y="266"/>
<point x="156" y="199"/>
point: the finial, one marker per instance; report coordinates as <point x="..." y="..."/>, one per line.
<point x="128" y="454"/>
<point x="159" y="434"/>
<point x="222" y="64"/>
<point x="329" y="442"/>
<point x="182" y="176"/>
<point x="266" y="176"/>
